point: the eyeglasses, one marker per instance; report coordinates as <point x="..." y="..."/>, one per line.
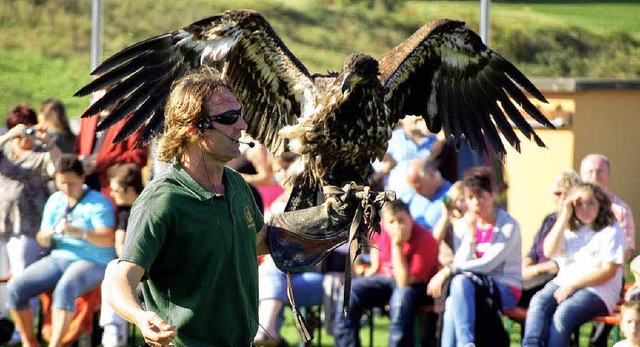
<point x="228" y="118"/>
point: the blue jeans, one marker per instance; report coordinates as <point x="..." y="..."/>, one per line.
<point x="458" y="323"/>
<point x="68" y="279"/>
<point x="307" y="287"/>
<point x="374" y="291"/>
<point x="549" y="324"/>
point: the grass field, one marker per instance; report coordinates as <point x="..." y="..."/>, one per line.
<point x="44" y="49"/>
<point x="381" y="326"/>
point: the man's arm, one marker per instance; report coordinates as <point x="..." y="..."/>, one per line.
<point x="119" y="286"/>
<point x="262" y="246"/>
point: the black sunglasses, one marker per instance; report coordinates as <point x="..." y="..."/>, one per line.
<point x="228" y="118"/>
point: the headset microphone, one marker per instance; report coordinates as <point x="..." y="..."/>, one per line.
<point x="251" y="144"/>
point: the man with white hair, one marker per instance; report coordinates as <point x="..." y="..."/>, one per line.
<point x="413" y="140"/>
<point x="428" y="187"/>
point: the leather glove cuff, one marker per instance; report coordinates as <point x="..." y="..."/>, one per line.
<point x="300" y="239"/>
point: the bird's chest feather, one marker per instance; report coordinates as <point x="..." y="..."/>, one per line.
<point x="356" y="131"/>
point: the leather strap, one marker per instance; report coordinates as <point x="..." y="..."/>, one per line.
<point x="354" y="251"/>
<point x="301" y="323"/>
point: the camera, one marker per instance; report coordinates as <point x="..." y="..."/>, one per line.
<point x="29" y="132"/>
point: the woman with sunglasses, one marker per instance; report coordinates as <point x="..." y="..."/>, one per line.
<point x="588" y="245"/>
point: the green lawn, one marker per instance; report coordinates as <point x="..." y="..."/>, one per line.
<point x="44" y="48"/>
<point x="599" y="17"/>
<point x="33" y="78"/>
<point x="381" y="326"/>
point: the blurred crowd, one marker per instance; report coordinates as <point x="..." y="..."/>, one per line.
<point x="446" y="243"/>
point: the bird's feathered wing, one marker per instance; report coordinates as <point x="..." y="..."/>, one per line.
<point x="269" y="81"/>
<point x="445" y="74"/>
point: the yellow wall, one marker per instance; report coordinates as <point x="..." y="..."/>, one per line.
<point x="530" y="175"/>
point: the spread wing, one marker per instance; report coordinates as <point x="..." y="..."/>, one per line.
<point x="445" y="73"/>
<point x="269" y="81"/>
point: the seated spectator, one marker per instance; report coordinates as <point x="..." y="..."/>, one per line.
<point x="77" y="223"/>
<point x="126" y="184"/>
<point x="403" y="259"/>
<point x="411" y="140"/>
<point x="125" y="181"/>
<point x="427" y="189"/>
<point x="25" y="170"/>
<point x="588" y="245"/>
<point x="596" y="168"/>
<point x="630" y="324"/>
<point x="53" y="118"/>
<point x="453" y="208"/>
<point x="538" y="270"/>
<point x="307" y="290"/>
<point x="98" y="151"/>
<point x="307" y="287"/>
<point x="486" y="243"/>
<point x="633" y="293"/>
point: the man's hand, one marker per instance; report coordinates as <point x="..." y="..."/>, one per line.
<point x="155" y="330"/>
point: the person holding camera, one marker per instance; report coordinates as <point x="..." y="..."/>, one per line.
<point x="25" y="164"/>
<point x="78" y="226"/>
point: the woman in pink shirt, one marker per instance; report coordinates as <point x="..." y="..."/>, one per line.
<point x="486" y="243"/>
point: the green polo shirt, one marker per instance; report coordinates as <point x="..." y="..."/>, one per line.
<point x="198" y="250"/>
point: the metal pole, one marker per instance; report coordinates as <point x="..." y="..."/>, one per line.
<point x="96" y="33"/>
<point x="484" y="20"/>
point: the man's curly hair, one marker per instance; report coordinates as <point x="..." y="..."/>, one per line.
<point x="185" y="106"/>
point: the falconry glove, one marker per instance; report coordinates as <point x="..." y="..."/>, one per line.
<point x="300" y="239"/>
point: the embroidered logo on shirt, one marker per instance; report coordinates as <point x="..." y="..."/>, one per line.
<point x="249" y="217"/>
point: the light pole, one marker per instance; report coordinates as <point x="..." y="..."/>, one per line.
<point x="484" y="20"/>
<point x="96" y="33"/>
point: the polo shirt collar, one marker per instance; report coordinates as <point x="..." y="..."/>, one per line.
<point x="200" y="192"/>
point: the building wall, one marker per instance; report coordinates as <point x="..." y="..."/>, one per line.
<point x="530" y="175"/>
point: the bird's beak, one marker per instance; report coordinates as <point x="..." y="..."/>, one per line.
<point x="348" y="81"/>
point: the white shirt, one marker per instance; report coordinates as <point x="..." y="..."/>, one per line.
<point x="584" y="250"/>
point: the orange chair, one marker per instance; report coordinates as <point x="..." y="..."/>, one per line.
<point x="82" y="323"/>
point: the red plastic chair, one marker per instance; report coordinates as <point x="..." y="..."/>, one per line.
<point x="82" y="323"/>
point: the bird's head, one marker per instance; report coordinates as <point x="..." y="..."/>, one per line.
<point x="359" y="69"/>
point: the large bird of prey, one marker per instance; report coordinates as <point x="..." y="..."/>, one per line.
<point x="339" y="122"/>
